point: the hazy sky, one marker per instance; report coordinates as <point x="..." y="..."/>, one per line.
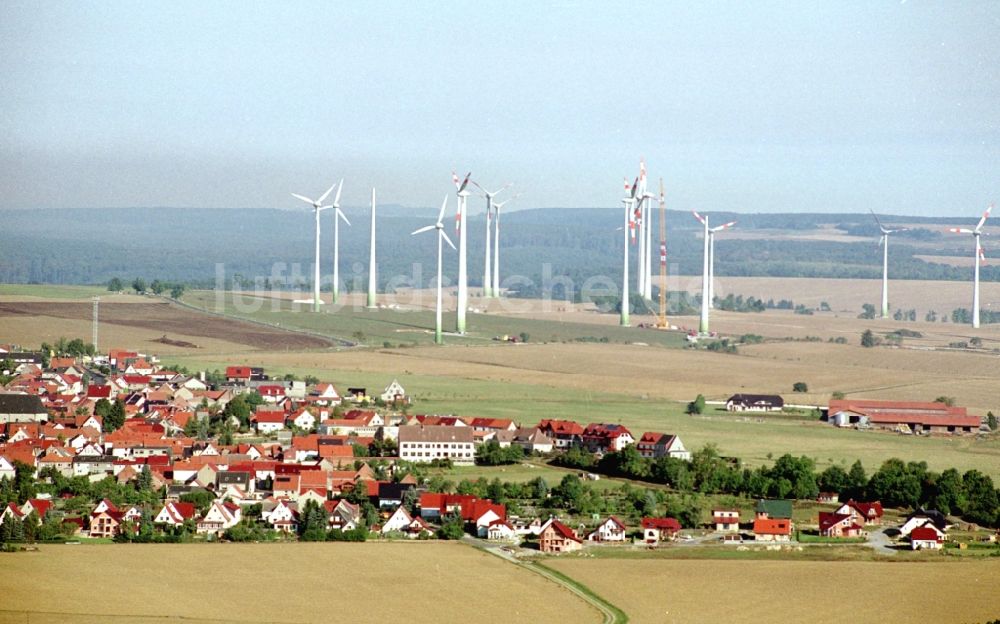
<point x="793" y="106"/>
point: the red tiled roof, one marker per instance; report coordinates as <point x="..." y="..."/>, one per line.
<point x="663" y="524"/>
<point x="925" y="533"/>
<point x="564" y="531"/>
<point x="772" y="526"/>
<point x="906" y="412"/>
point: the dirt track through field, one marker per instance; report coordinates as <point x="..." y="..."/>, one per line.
<point x="711" y="591"/>
<point x="169" y="319"/>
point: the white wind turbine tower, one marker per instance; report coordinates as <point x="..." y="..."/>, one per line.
<point x="711" y="260"/>
<point x="647" y="224"/>
<point x="884" y="242"/>
<point x="337" y="216"/>
<point x="976" y="233"/>
<point x="318" y="207"/>
<point x="439" y="226"/>
<point x="463" y="279"/>
<point x="487" y="273"/>
<point x="706" y="269"/>
<point x="642" y="216"/>
<point x="372" y="266"/>
<point x="629" y="231"/>
<point x="496" y="243"/>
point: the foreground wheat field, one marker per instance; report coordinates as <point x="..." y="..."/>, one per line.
<point x="692" y="592"/>
<point x="281" y="583"/>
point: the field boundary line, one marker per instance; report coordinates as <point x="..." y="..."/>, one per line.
<point x="132" y="617"/>
<point x="611" y="613"/>
<point x="333" y="339"/>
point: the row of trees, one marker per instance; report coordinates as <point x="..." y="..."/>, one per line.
<point x="971" y="495"/>
<point x="157" y="287"/>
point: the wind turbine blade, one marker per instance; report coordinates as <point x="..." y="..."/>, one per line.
<point x="343" y="216"/>
<point x="444" y="206"/>
<point x="305" y="199"/>
<point x="698" y="216"/>
<point x="454" y="179"/>
<point x="635" y="187"/>
<point x="986" y="214"/>
<point x="465" y="182"/>
<point x="323" y="197"/>
<point x="336" y="200"/>
<point x="880" y="226"/>
<point x="723" y="227"/>
<point x="426" y="228"/>
<point x="960" y="231"/>
<point x="448" y="240"/>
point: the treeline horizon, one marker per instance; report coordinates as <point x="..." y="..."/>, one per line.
<point x="93" y="246"/>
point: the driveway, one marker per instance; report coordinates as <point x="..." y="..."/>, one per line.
<point x="880" y="542"/>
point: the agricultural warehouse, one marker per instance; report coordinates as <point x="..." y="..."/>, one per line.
<point x="915" y="416"/>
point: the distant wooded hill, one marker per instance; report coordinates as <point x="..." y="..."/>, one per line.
<point x="89" y="246"/>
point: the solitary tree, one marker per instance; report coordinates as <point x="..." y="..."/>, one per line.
<point x="800" y="386"/>
<point x="115" y="285"/>
<point x="139" y="285"/>
<point x="697" y="406"/>
<point x="868" y="339"/>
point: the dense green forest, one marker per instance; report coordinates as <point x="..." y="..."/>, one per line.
<point x="91" y="246"/>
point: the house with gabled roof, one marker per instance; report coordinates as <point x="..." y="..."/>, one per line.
<point x="174" y="513"/>
<point x="926" y="537"/>
<point x="269" y="421"/>
<point x="219" y="517"/>
<point x="325" y="394"/>
<point x="654" y="445"/>
<point x="862" y="513"/>
<point x="925" y="517"/>
<point x="726" y="520"/>
<point x="773" y="520"/>
<point x="755" y="403"/>
<point x="656" y="530"/>
<point x="394" y="393"/>
<point x="398" y="521"/>
<point x="606" y="438"/>
<point x="502" y="531"/>
<point x="342" y="515"/>
<point x="611" y="530"/>
<point x="833" y="524"/>
<point x="556" y="537"/>
<point x="280" y="514"/>
<point x="565" y="433"/>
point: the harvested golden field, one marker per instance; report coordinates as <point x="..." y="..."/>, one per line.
<point x="663" y="591"/>
<point x="412" y="582"/>
<point x="682" y="374"/>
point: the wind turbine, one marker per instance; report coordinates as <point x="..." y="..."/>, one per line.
<point x="487" y="273"/>
<point x="629" y="229"/>
<point x="463" y="281"/>
<point x="439" y="226"/>
<point x="647" y="291"/>
<point x="318" y="207"/>
<point x="884" y="242"/>
<point x="976" y="233"/>
<point x="337" y="216"/>
<point x="711" y="260"/>
<point x="496" y="243"/>
<point x="703" y="323"/>
<point x="372" y="266"/>
<point x="642" y="212"/>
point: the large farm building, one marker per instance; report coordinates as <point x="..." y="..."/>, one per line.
<point x="914" y="416"/>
